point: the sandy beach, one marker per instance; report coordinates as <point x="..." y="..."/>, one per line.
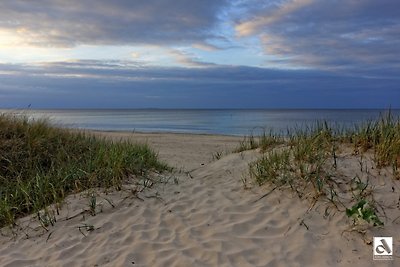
<point x="207" y="212"/>
<point x="208" y="133"/>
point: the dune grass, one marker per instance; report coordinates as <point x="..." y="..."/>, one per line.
<point x="308" y="160"/>
<point x="298" y="164"/>
<point x="41" y="164"/>
<point x="264" y="141"/>
<point x="383" y="137"/>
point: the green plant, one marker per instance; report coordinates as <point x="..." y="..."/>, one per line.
<point x="92" y="204"/>
<point x="365" y="211"/>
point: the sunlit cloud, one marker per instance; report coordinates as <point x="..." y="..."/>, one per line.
<point x="14" y="48"/>
<point x="153" y="49"/>
<point x="187" y="59"/>
<point x="61" y="24"/>
<point x="8" y="39"/>
<point x="135" y="55"/>
<point x="270" y="16"/>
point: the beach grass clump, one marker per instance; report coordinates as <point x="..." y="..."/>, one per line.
<point x="273" y="167"/>
<point x="308" y="162"/>
<point x="311" y="146"/>
<point x="41" y="164"/>
<point x="383" y="136"/>
<point x="301" y="164"/>
<point x="264" y="141"/>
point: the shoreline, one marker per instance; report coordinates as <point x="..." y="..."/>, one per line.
<point x="210" y="122"/>
<point x="156" y="132"/>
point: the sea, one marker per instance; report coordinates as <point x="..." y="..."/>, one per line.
<point x="237" y="122"/>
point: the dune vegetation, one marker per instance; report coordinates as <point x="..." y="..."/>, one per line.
<point x="305" y="160"/>
<point x="41" y="164"/>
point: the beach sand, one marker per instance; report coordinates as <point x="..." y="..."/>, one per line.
<point x="203" y="215"/>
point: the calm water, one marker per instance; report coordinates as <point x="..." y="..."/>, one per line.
<point x="229" y="122"/>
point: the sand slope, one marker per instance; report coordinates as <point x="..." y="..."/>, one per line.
<point x="201" y="218"/>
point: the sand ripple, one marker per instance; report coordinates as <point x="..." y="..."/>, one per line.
<point x="212" y="221"/>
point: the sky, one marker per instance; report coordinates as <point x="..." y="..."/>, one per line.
<point x="200" y="54"/>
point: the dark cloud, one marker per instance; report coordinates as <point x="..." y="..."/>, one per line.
<point x="72" y="22"/>
<point x="113" y="84"/>
<point x="333" y="34"/>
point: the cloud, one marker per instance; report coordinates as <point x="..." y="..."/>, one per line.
<point x="279" y="12"/>
<point x="187" y="59"/>
<point x="135" y="55"/>
<point x="205" y="47"/>
<point x="126" y="84"/>
<point x="342" y="34"/>
<point x="58" y="23"/>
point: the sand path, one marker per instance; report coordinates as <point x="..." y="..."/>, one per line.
<point x="205" y="218"/>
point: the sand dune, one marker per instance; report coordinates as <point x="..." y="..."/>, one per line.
<point x="203" y="216"/>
